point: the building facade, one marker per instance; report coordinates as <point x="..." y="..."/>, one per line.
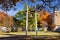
<point x="57" y="18"/>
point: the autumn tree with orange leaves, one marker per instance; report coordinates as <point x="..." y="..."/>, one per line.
<point x="6" y="5"/>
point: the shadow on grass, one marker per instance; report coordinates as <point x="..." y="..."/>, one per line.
<point x="29" y="37"/>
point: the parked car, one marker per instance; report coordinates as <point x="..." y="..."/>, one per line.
<point x="4" y="29"/>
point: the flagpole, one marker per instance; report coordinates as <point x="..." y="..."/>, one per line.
<point x="36" y="23"/>
<point x="27" y="22"/>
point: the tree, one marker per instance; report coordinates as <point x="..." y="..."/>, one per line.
<point x="50" y="4"/>
<point x="6" y="5"/>
<point x="21" y="16"/>
<point x="31" y="18"/>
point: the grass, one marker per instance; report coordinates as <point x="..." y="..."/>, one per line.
<point x="32" y="33"/>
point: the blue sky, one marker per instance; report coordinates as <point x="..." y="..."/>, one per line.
<point x="53" y="3"/>
<point x="20" y="6"/>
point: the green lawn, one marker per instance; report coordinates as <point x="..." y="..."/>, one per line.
<point x="33" y="33"/>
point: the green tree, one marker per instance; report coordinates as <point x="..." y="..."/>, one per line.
<point x="21" y="16"/>
<point x="31" y="19"/>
